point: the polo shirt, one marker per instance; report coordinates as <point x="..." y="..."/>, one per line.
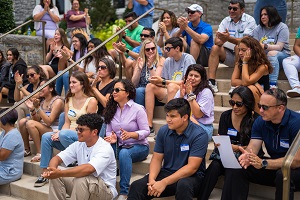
<point x="134" y="35"/>
<point x="202" y="28"/>
<point x="277" y="138"/>
<point x="178" y="148"/>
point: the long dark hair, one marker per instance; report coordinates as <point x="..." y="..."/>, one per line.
<point x="38" y="70"/>
<point x="246" y="124"/>
<point x="3" y="60"/>
<point x="112" y="105"/>
<point x="172" y="17"/>
<point x="83" y="45"/>
<point x="51" y="85"/>
<point x="111" y="67"/>
<point x="50" y="5"/>
<point x="274" y="17"/>
<point x="204" y="81"/>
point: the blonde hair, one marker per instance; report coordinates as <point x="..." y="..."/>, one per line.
<point x="142" y="51"/>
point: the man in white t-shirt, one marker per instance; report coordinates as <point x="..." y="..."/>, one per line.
<point x="95" y="175"/>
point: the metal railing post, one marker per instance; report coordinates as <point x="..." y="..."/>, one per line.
<point x="44" y="42"/>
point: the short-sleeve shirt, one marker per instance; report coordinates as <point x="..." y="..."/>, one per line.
<point x="205" y="100"/>
<point x="175" y="70"/>
<point x="13" y="165"/>
<point x="201" y="28"/>
<point x="178" y="148"/>
<point x="134" y="35"/>
<point x="100" y="156"/>
<point x="298" y="34"/>
<point x="50" y="24"/>
<point x="277" y="137"/>
<point x="140" y="9"/>
<point x="278" y="33"/>
<point x="75" y="24"/>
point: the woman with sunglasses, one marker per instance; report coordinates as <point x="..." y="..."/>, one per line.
<point x="44" y="118"/>
<point x="237" y="124"/>
<point x="148" y="64"/>
<point x="252" y="69"/>
<point x="168" y="26"/>
<point x="273" y="36"/>
<point x="35" y="75"/>
<point x="199" y="94"/>
<point x="127" y="127"/>
<point x="79" y="100"/>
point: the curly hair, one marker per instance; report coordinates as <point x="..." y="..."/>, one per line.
<point x="258" y="56"/>
<point x="143" y="52"/>
<point x="204" y="81"/>
<point x="172" y="17"/>
<point x="112" y="105"/>
<point x="84" y="81"/>
<point x="91" y="120"/>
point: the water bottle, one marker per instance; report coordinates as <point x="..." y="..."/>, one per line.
<point x="28" y="31"/>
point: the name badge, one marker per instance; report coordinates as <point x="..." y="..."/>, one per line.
<point x="184" y="147"/>
<point x="284" y="144"/>
<point x="72" y="113"/>
<point x="232" y="132"/>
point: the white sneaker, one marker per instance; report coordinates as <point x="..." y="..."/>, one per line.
<point x="295" y="92"/>
<point x="231" y="89"/>
<point x="214" y="87"/>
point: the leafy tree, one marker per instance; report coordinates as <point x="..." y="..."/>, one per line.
<point x="6" y="16"/>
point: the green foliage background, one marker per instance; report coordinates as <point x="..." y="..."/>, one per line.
<point x="6" y="16"/>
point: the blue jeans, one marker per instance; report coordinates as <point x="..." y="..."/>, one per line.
<point x="126" y="157"/>
<point x="146" y="21"/>
<point x="208" y="128"/>
<point x="103" y="130"/>
<point x="276" y="62"/>
<point x="140" y="96"/>
<point x="61" y="120"/>
<point x="62" y="81"/>
<point x="66" y="137"/>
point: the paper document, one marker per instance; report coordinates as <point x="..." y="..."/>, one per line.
<point x="226" y="153"/>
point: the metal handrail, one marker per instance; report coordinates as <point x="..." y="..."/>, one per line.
<point x="43" y="35"/>
<point x="286" y="166"/>
<point x="71" y="66"/>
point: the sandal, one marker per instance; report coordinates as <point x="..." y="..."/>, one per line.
<point x="27" y="153"/>
<point x="36" y="158"/>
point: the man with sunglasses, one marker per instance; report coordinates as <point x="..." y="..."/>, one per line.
<point x="277" y="128"/>
<point x="95" y="175"/>
<point x="199" y="35"/>
<point x="230" y="32"/>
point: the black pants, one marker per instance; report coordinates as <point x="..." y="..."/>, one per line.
<point x="236" y="183"/>
<point x="185" y="188"/>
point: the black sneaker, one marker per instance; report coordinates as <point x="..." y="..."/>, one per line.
<point x="40" y="181"/>
<point x="152" y="132"/>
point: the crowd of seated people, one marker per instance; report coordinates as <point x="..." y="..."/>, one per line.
<point x="156" y="74"/>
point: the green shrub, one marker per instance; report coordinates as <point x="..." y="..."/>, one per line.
<point x="6" y="16"/>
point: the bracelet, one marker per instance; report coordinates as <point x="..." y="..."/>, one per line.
<point x="191" y="94"/>
<point x="164" y="82"/>
<point x="191" y="98"/>
<point x="37" y="110"/>
<point x="20" y="86"/>
<point x="245" y="63"/>
<point x="32" y="110"/>
<point x="69" y="60"/>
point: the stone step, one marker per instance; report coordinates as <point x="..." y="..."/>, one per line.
<point x="6" y="197"/>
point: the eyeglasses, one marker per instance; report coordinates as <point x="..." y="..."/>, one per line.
<point x="264" y="107"/>
<point x="30" y="75"/>
<point x="80" y="130"/>
<point x="144" y="35"/>
<point x="167" y="49"/>
<point x="117" y="90"/>
<point x="233" y="8"/>
<point x="191" y="12"/>
<point x="237" y="103"/>
<point x="148" y="49"/>
<point x="102" y="67"/>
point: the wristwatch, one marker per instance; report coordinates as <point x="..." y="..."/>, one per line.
<point x="264" y="163"/>
<point x="20" y="86"/>
<point x="124" y="36"/>
<point x="266" y="46"/>
<point x="164" y="81"/>
<point x="127" y="51"/>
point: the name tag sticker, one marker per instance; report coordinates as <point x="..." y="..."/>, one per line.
<point x="232" y="132"/>
<point x="184" y="147"/>
<point x="284" y="144"/>
<point x="72" y="113"/>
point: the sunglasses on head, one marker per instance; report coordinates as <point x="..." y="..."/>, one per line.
<point x="264" y="107"/>
<point x="117" y="90"/>
<point x="30" y="75"/>
<point x="191" y="12"/>
<point x="102" y="67"/>
<point x="148" y="49"/>
<point x="144" y="35"/>
<point x="80" y="130"/>
<point x="232" y="8"/>
<point x="167" y="49"/>
<point x="237" y="103"/>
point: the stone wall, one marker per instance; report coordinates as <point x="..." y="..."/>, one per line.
<point x="30" y="47"/>
<point x="23" y="9"/>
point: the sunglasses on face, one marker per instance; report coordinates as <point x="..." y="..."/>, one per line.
<point x="237" y="103"/>
<point x="148" y="49"/>
<point x="30" y="75"/>
<point x="191" y="12"/>
<point x="167" y="49"/>
<point x="117" y="90"/>
<point x="80" y="130"/>
<point x="102" y="67"/>
<point x="232" y="8"/>
<point x="144" y="35"/>
<point x="264" y="107"/>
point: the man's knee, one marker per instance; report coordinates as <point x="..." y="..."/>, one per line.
<point x="172" y="88"/>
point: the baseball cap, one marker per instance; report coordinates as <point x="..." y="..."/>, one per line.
<point x="195" y="7"/>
